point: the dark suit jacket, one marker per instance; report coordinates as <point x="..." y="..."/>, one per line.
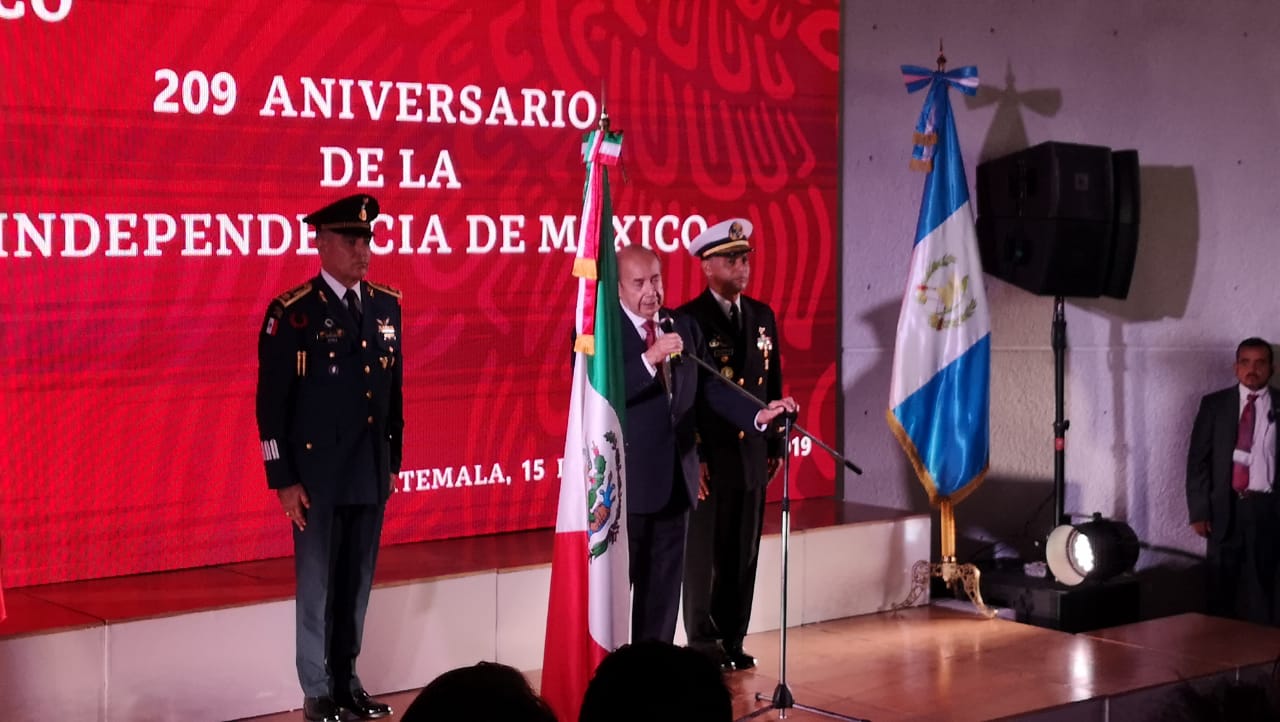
<point x="1213" y="439"/>
<point x="330" y="402"/>
<point x="661" y="434"/>
<point x="733" y="457"/>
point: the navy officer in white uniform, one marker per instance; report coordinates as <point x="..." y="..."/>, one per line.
<point x="723" y="547"/>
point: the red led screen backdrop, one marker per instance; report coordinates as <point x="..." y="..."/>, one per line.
<point x="156" y="159"/>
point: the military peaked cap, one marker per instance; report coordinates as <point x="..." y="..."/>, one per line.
<point x="727" y="237"/>
<point x="351" y="215"/>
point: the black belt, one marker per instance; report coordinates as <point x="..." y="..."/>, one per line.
<point x="1249" y="493"/>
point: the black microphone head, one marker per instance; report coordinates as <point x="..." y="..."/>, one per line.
<point x="668" y="325"/>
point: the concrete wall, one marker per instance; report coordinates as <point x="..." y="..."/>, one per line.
<point x="1191" y="86"/>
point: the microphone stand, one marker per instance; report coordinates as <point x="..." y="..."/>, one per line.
<point x="794" y="426"/>
<point x="782" y="698"/>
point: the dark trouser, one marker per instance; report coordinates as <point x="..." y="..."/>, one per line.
<point x="656" y="549"/>
<point x="1242" y="568"/>
<point x="720" y="566"/>
<point x="334" y="559"/>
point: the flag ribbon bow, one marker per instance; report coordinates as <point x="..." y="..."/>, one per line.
<point x="600" y="148"/>
<point x="938" y="81"/>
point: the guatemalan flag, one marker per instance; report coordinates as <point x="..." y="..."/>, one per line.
<point x="939" y="401"/>
<point x="588" y="613"/>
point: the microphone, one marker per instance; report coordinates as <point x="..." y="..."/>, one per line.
<point x="669" y="326"/>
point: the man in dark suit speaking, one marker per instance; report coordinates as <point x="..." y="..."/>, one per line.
<point x="1232" y="467"/>
<point x="330" y="418"/>
<point x="660" y="429"/>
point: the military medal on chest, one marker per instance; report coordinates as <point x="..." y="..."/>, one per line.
<point x="722" y="350"/>
<point x="387" y="329"/>
<point x="765" y="344"/>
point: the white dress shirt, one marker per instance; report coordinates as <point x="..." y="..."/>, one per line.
<point x="338" y="289"/>
<point x="726" y="304"/>
<point x="639" y="322"/>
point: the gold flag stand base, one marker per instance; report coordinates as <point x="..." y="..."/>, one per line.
<point x="953" y="574"/>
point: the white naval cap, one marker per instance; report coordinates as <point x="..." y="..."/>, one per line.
<point x="731" y="236"/>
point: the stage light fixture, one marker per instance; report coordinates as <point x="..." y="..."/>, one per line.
<point x="1094" y="551"/>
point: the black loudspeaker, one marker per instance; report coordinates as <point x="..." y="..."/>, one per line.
<point x="1124" y="248"/>
<point x="1050" y="180"/>
<point x="1046" y="256"/>
<point x="1060" y="219"/>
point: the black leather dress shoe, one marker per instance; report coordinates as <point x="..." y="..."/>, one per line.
<point x="716" y="654"/>
<point x="360" y="704"/>
<point x="321" y="709"/>
<point x="725" y="661"/>
<point x="740" y="659"/>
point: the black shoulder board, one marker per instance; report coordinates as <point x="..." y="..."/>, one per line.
<point x="384" y="289"/>
<point x="288" y="298"/>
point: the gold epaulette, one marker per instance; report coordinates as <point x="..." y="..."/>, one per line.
<point x="290" y="297"/>
<point x="385" y="289"/>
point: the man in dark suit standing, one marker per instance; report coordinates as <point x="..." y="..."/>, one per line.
<point x="1231" y="477"/>
<point x="724" y="531"/>
<point x="331" y="420"/>
<point x="660" y="437"/>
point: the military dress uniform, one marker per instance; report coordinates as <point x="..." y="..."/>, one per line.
<point x="724" y="531"/>
<point x="330" y="417"/>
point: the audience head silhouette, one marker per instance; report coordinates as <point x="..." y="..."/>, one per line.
<point x="484" y="692"/>
<point x="1245" y="700"/>
<point x="656" y="680"/>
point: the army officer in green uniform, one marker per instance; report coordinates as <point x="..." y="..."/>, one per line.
<point x="330" y="418"/>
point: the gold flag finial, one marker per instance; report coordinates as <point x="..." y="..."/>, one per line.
<point x="604" y="110"/>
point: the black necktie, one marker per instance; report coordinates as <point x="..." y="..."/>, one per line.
<point x="353" y="305"/>
<point x="734" y="319"/>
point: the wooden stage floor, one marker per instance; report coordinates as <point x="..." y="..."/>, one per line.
<point x="934" y="663"/>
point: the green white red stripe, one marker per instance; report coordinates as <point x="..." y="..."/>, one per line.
<point x="589" y="609"/>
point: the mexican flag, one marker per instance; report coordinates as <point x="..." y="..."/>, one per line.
<point x="589" y="610"/>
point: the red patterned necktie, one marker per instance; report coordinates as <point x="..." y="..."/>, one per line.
<point x="650" y="338"/>
<point x="1244" y="442"/>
